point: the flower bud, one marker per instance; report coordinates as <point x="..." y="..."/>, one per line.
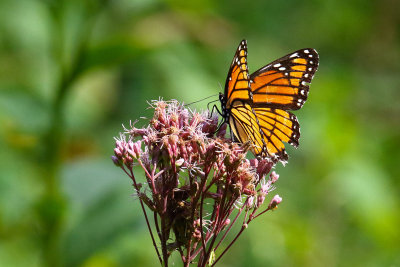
<point x="264" y="190"/>
<point x="116" y="161"/>
<point x="179" y="162"/>
<point x="118" y="152"/>
<point x="184" y="118"/>
<point x="250" y="202"/>
<point x="222" y="130"/>
<point x="128" y="160"/>
<point x="195" y="120"/>
<point x="253" y="163"/>
<point x="227" y="222"/>
<point x="137" y="148"/>
<point x="210" y="126"/>
<point x="273" y="177"/>
<point x="275" y="202"/>
<point x="174" y="119"/>
<point x="264" y="167"/>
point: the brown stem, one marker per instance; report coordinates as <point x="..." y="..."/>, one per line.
<point x="156" y="224"/>
<point x="188" y="250"/>
<point x="218" y="220"/>
<point x="164" y="241"/>
<point x="144" y="212"/>
<point x="230" y="244"/>
<point x="196" y="252"/>
<point x="229" y="228"/>
<point x="203" y="243"/>
<point x="267" y="209"/>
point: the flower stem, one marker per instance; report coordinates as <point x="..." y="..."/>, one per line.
<point x="164" y="241"/>
<point x="230" y="244"/>
<point x="229" y="228"/>
<point x="145" y="214"/>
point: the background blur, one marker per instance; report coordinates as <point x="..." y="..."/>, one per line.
<point x="71" y="72"/>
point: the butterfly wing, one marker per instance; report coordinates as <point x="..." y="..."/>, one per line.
<point x="237" y="85"/>
<point x="236" y="102"/>
<point x="265" y="128"/>
<point x="277" y="126"/>
<point x="245" y="126"/>
<point x="255" y="106"/>
<point x="283" y="84"/>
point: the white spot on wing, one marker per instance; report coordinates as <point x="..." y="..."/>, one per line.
<point x="294" y="55"/>
<point x="306" y="51"/>
<point x="282" y="68"/>
<point x="277" y="65"/>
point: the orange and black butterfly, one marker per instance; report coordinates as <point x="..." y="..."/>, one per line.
<point x="256" y="106"/>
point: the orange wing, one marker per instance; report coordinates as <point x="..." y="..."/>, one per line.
<point x="255" y="105"/>
<point x="283" y="83"/>
<point x="244" y="124"/>
<point x="237" y="84"/>
<point x="265" y="128"/>
<point x="277" y="126"/>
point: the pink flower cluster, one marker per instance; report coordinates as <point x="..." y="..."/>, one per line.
<point x="194" y="179"/>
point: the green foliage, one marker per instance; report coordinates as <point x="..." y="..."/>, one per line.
<point x="72" y="71"/>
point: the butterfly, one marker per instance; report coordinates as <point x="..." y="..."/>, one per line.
<point x="256" y="106"/>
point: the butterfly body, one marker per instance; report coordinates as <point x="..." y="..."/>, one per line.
<point x="256" y="106"/>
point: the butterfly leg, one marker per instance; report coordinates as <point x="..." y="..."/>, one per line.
<point x="214" y="107"/>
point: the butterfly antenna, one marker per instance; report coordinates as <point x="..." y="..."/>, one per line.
<point x="220" y="86"/>
<point x="200" y="100"/>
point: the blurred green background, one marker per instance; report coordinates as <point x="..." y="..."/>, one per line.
<point x="71" y="72"/>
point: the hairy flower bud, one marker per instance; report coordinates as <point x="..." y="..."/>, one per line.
<point x="117" y="152"/>
<point x="179" y="162"/>
<point x="210" y="125"/>
<point x="250" y="202"/>
<point x="274" y="177"/>
<point x="264" y="166"/>
<point x="275" y="202"/>
<point x="222" y="131"/>
<point x="116" y="161"/>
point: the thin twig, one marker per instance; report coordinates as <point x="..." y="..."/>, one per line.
<point x="230" y="244"/>
<point x="229" y="228"/>
<point x="203" y="243"/>
<point x="145" y="216"/>
<point x="218" y="221"/>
